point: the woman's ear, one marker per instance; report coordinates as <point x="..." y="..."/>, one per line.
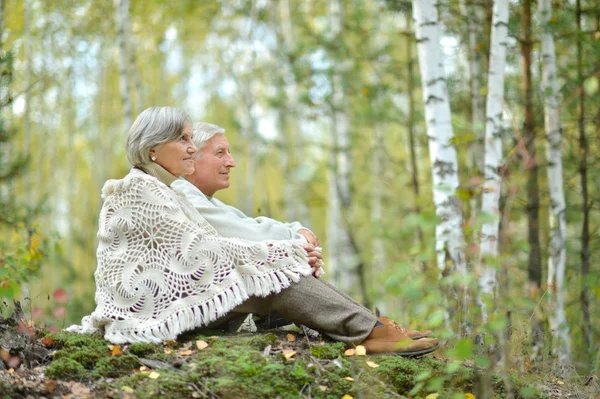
<point x="153" y="155"/>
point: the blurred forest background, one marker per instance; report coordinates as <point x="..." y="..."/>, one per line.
<point x="324" y="107"/>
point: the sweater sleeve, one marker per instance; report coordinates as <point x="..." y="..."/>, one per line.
<point x="231" y="222"/>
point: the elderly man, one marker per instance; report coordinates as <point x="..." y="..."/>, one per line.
<point x="311" y="302"/>
<point x="213" y="165"/>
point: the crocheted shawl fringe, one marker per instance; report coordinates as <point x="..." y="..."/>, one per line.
<point x="201" y="314"/>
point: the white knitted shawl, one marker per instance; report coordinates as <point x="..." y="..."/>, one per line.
<point x="162" y="269"/>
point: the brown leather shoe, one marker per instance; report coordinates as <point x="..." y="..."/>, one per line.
<point x="414" y="334"/>
<point x="388" y="339"/>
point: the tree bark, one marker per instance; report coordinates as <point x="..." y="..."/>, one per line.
<point x="585" y="209"/>
<point x="559" y="327"/>
<point x="122" y="16"/>
<point x="349" y="275"/>
<point x="493" y="153"/>
<point x="533" y="202"/>
<point x="442" y="151"/>
<point x="412" y="142"/>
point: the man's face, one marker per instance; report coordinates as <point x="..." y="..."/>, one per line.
<point x="212" y="166"/>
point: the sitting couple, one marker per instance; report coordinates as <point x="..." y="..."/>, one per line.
<point x="172" y="258"/>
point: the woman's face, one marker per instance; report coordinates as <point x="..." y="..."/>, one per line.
<point x="176" y="156"/>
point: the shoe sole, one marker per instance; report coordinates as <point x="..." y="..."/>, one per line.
<point x="420" y="336"/>
<point x="408" y="354"/>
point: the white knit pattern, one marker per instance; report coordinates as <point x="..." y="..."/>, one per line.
<point x="162" y="269"/>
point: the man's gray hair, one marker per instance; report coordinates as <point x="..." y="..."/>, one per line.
<point x="203" y="132"/>
<point x="153" y="127"/>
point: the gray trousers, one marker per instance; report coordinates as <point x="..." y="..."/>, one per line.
<point x="316" y="304"/>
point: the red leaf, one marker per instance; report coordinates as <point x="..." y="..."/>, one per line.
<point x="36" y="313"/>
<point x="59" y="312"/>
<point x="60" y="296"/>
<point x="47" y="342"/>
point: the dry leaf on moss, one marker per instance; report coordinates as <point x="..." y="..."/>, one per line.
<point x="350" y="352"/>
<point x="371" y="364"/>
<point x="201" y="344"/>
<point x="290" y="337"/>
<point x="288" y="353"/>
<point x="361" y="351"/>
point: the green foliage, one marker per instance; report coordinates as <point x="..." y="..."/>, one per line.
<point x="327" y="350"/>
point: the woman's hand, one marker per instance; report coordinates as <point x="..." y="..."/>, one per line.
<point x="310" y="237"/>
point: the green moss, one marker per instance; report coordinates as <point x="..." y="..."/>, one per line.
<point x="327" y="351"/>
<point x="87" y="357"/>
<point x="66" y="369"/>
<point x="141" y="349"/>
<point x="116" y="366"/>
<point x="64" y="339"/>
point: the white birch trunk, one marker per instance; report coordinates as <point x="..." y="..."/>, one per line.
<point x="493" y="151"/>
<point x="558" y="222"/>
<point x="346" y="275"/>
<point x="122" y="16"/>
<point x="442" y="152"/>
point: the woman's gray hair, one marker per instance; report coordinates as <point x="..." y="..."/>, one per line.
<point x="203" y="132"/>
<point x="153" y="127"/>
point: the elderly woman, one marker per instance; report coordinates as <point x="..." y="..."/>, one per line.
<point x="162" y="269"/>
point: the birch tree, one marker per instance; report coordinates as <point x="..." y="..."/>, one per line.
<point x="493" y="151"/>
<point x="584" y="295"/>
<point x="290" y="119"/>
<point x="346" y="269"/>
<point x="122" y="20"/>
<point x="558" y="222"/>
<point x="442" y="151"/>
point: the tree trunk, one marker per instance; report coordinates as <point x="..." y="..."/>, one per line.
<point x="558" y="222"/>
<point x="442" y="151"/>
<point x="293" y="148"/>
<point x="122" y="16"/>
<point x="412" y="142"/>
<point x="473" y="16"/>
<point x="493" y="153"/>
<point x="533" y="202"/>
<point x="585" y="209"/>
<point x="349" y="275"/>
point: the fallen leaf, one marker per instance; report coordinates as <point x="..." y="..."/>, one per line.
<point x="154" y="375"/>
<point x="346" y="396"/>
<point x="469" y="396"/>
<point x="432" y="396"/>
<point x="288" y="353"/>
<point x="350" y="352"/>
<point x="4" y="355"/>
<point x="143" y="369"/>
<point x="170" y="343"/>
<point x="116" y="350"/>
<point x="168" y="351"/>
<point x="79" y="389"/>
<point x="10" y="371"/>
<point x="201" y="344"/>
<point x="290" y="337"/>
<point x="50" y="385"/>
<point x="14" y="362"/>
<point x="323" y="388"/>
<point x="47" y="342"/>
<point x="560" y="382"/>
<point x="361" y="351"/>
<point x="349" y="378"/>
<point x="127" y="389"/>
<point x="186" y="352"/>
<point x="371" y="364"/>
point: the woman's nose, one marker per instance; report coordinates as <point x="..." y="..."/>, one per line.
<point x="192" y="149"/>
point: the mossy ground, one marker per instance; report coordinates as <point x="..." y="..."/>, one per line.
<point x="255" y="366"/>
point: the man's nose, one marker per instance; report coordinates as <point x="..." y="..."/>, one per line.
<point x="230" y="163"/>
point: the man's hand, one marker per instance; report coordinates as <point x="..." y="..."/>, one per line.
<point x="315" y="258"/>
<point x="310" y="237"/>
